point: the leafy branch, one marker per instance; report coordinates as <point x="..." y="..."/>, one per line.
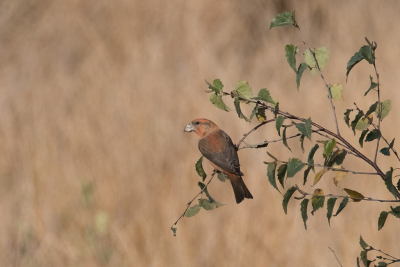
<point x="383" y="260"/>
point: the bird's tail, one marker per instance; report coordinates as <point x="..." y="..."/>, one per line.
<point x="239" y="188"/>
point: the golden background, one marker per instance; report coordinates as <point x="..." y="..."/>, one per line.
<point x="95" y="166"/>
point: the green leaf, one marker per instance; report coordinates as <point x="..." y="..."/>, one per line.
<point x="371" y="109"/>
<point x="310" y="159"/>
<point x="398" y="185"/>
<point x="254" y="112"/>
<point x="287" y="197"/>
<point x="243" y="90"/>
<point x="330" y="204"/>
<point x="173" y="230"/>
<point x="284" y="139"/>
<point x="347" y="116"/>
<point x="281" y="174"/>
<point x="385" y="151"/>
<point x="239" y="111"/>
<point x="222" y="177"/>
<point x="217" y="86"/>
<point x="303" y="209"/>
<point x="192" y="211"/>
<point x="305" y="128"/>
<point x="389" y="182"/>
<point x="299" y="73"/>
<point x="372" y="86"/>
<point x="363" y="123"/>
<point x="279" y="122"/>
<point x="368" y="54"/>
<point x="201" y="185"/>
<point x="302" y="142"/>
<point x="353" y="61"/>
<point x="355" y="121"/>
<point x="276" y="109"/>
<point x="199" y="168"/>
<point x="329" y="145"/>
<point x="291" y="51"/>
<point x="374" y="134"/>
<point x="385" y="107"/>
<point x="337" y="91"/>
<point x="322" y="55"/>
<point x="208" y="205"/>
<point x="318" y="176"/>
<point x="283" y="19"/>
<point x="217" y="101"/>
<point x="261" y="115"/>
<point x="382" y="219"/>
<point x="294" y="165"/>
<point x="362" y="243"/>
<point x="355" y="196"/>
<point x="382" y="264"/>
<point x="317" y="200"/>
<point x="306" y="172"/>
<point x="338" y="157"/>
<point x="264" y="95"/>
<point x="361" y="140"/>
<point x="263" y="144"/>
<point x="364" y="259"/>
<point x="392" y="143"/>
<point x="342" y="205"/>
<point x="271" y="175"/>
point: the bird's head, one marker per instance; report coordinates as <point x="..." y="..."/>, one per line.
<point x="201" y="127"/>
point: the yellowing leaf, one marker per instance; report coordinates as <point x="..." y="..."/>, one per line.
<point x="357" y="197"/>
<point x="337" y="91"/>
<point x="322" y="55"/>
<point x="318" y="176"/>
<point x="364" y="122"/>
<point x="339" y="176"/>
<point x="383" y="107"/>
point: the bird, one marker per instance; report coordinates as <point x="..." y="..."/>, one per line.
<point x="216" y="146"/>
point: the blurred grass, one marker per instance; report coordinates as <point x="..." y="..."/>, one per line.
<point x="95" y="167"/>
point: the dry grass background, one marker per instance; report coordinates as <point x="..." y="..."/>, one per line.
<point x="95" y="166"/>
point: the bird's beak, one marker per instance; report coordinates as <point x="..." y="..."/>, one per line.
<point x="189" y="128"/>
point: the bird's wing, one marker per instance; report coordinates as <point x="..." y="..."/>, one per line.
<point x="220" y="150"/>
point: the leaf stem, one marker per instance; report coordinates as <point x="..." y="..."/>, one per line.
<point x="252" y="130"/>
<point x="323" y="79"/>
<point x="336" y="256"/>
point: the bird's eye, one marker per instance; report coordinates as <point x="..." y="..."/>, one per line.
<point x="196" y="123"/>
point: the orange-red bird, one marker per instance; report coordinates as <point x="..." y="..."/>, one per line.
<point x="217" y="147"/>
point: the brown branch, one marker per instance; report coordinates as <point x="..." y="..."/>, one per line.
<point x="320" y="73"/>
<point x="252" y="130"/>
<point x="191" y="201"/>
<point x="354" y="198"/>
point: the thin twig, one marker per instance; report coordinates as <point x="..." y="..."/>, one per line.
<point x="354" y="198"/>
<point x="277" y="140"/>
<point x="320" y="73"/>
<point x="252" y="130"/>
<point x="335" y="256"/>
<point x="386" y="141"/>
<point x="393" y="260"/>
<point x="191" y="201"/>
<point x="332" y="168"/>
<point x="380" y="114"/>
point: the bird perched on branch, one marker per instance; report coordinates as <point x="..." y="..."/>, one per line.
<point x="217" y="147"/>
